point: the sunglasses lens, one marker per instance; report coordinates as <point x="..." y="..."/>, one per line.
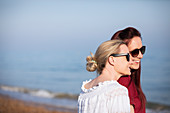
<point x="143" y="49"/>
<point x="135" y="52"/>
<point x="127" y="57"/>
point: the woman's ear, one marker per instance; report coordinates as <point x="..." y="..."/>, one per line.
<point x="111" y="60"/>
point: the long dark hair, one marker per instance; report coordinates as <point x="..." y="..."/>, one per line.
<point x="125" y="35"/>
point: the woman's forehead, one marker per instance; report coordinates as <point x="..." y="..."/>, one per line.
<point x="135" y="43"/>
<point x="124" y="49"/>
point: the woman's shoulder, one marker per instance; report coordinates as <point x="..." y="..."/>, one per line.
<point x="125" y="80"/>
<point x="103" y="87"/>
<point x="110" y="83"/>
<point x="83" y="89"/>
<point x="117" y="89"/>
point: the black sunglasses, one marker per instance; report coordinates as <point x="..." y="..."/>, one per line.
<point x="135" y="52"/>
<point x="122" y="54"/>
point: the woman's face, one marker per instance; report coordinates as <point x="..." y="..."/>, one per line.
<point x="135" y="43"/>
<point x="122" y="66"/>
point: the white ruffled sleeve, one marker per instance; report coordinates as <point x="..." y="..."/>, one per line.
<point x="118" y="101"/>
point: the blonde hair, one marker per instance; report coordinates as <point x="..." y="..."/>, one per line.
<point x="98" y="61"/>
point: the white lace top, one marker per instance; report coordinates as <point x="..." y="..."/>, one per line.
<point x="107" y="97"/>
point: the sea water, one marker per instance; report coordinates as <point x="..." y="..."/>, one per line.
<point x="60" y="75"/>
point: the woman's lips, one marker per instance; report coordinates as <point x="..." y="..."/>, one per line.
<point x="136" y="62"/>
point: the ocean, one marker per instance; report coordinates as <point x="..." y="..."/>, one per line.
<point x="56" y="77"/>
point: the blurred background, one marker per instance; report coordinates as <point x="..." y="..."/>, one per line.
<point x="44" y="44"/>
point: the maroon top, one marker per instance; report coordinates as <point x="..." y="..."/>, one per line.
<point x="133" y="94"/>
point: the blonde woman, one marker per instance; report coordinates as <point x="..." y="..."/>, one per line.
<point x="104" y="94"/>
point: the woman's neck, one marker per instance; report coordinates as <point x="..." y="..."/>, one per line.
<point x="107" y="74"/>
<point x="110" y="74"/>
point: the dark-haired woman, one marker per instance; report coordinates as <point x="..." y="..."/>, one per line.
<point x="132" y="38"/>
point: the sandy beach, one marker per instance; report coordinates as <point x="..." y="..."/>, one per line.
<point x="11" y="105"/>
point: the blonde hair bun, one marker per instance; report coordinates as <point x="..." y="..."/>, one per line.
<point x="91" y="63"/>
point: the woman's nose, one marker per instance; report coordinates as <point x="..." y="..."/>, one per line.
<point x="140" y="55"/>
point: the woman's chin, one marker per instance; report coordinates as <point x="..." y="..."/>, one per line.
<point x="134" y="67"/>
<point x="128" y="73"/>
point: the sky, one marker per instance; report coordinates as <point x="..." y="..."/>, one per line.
<point x="79" y="25"/>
